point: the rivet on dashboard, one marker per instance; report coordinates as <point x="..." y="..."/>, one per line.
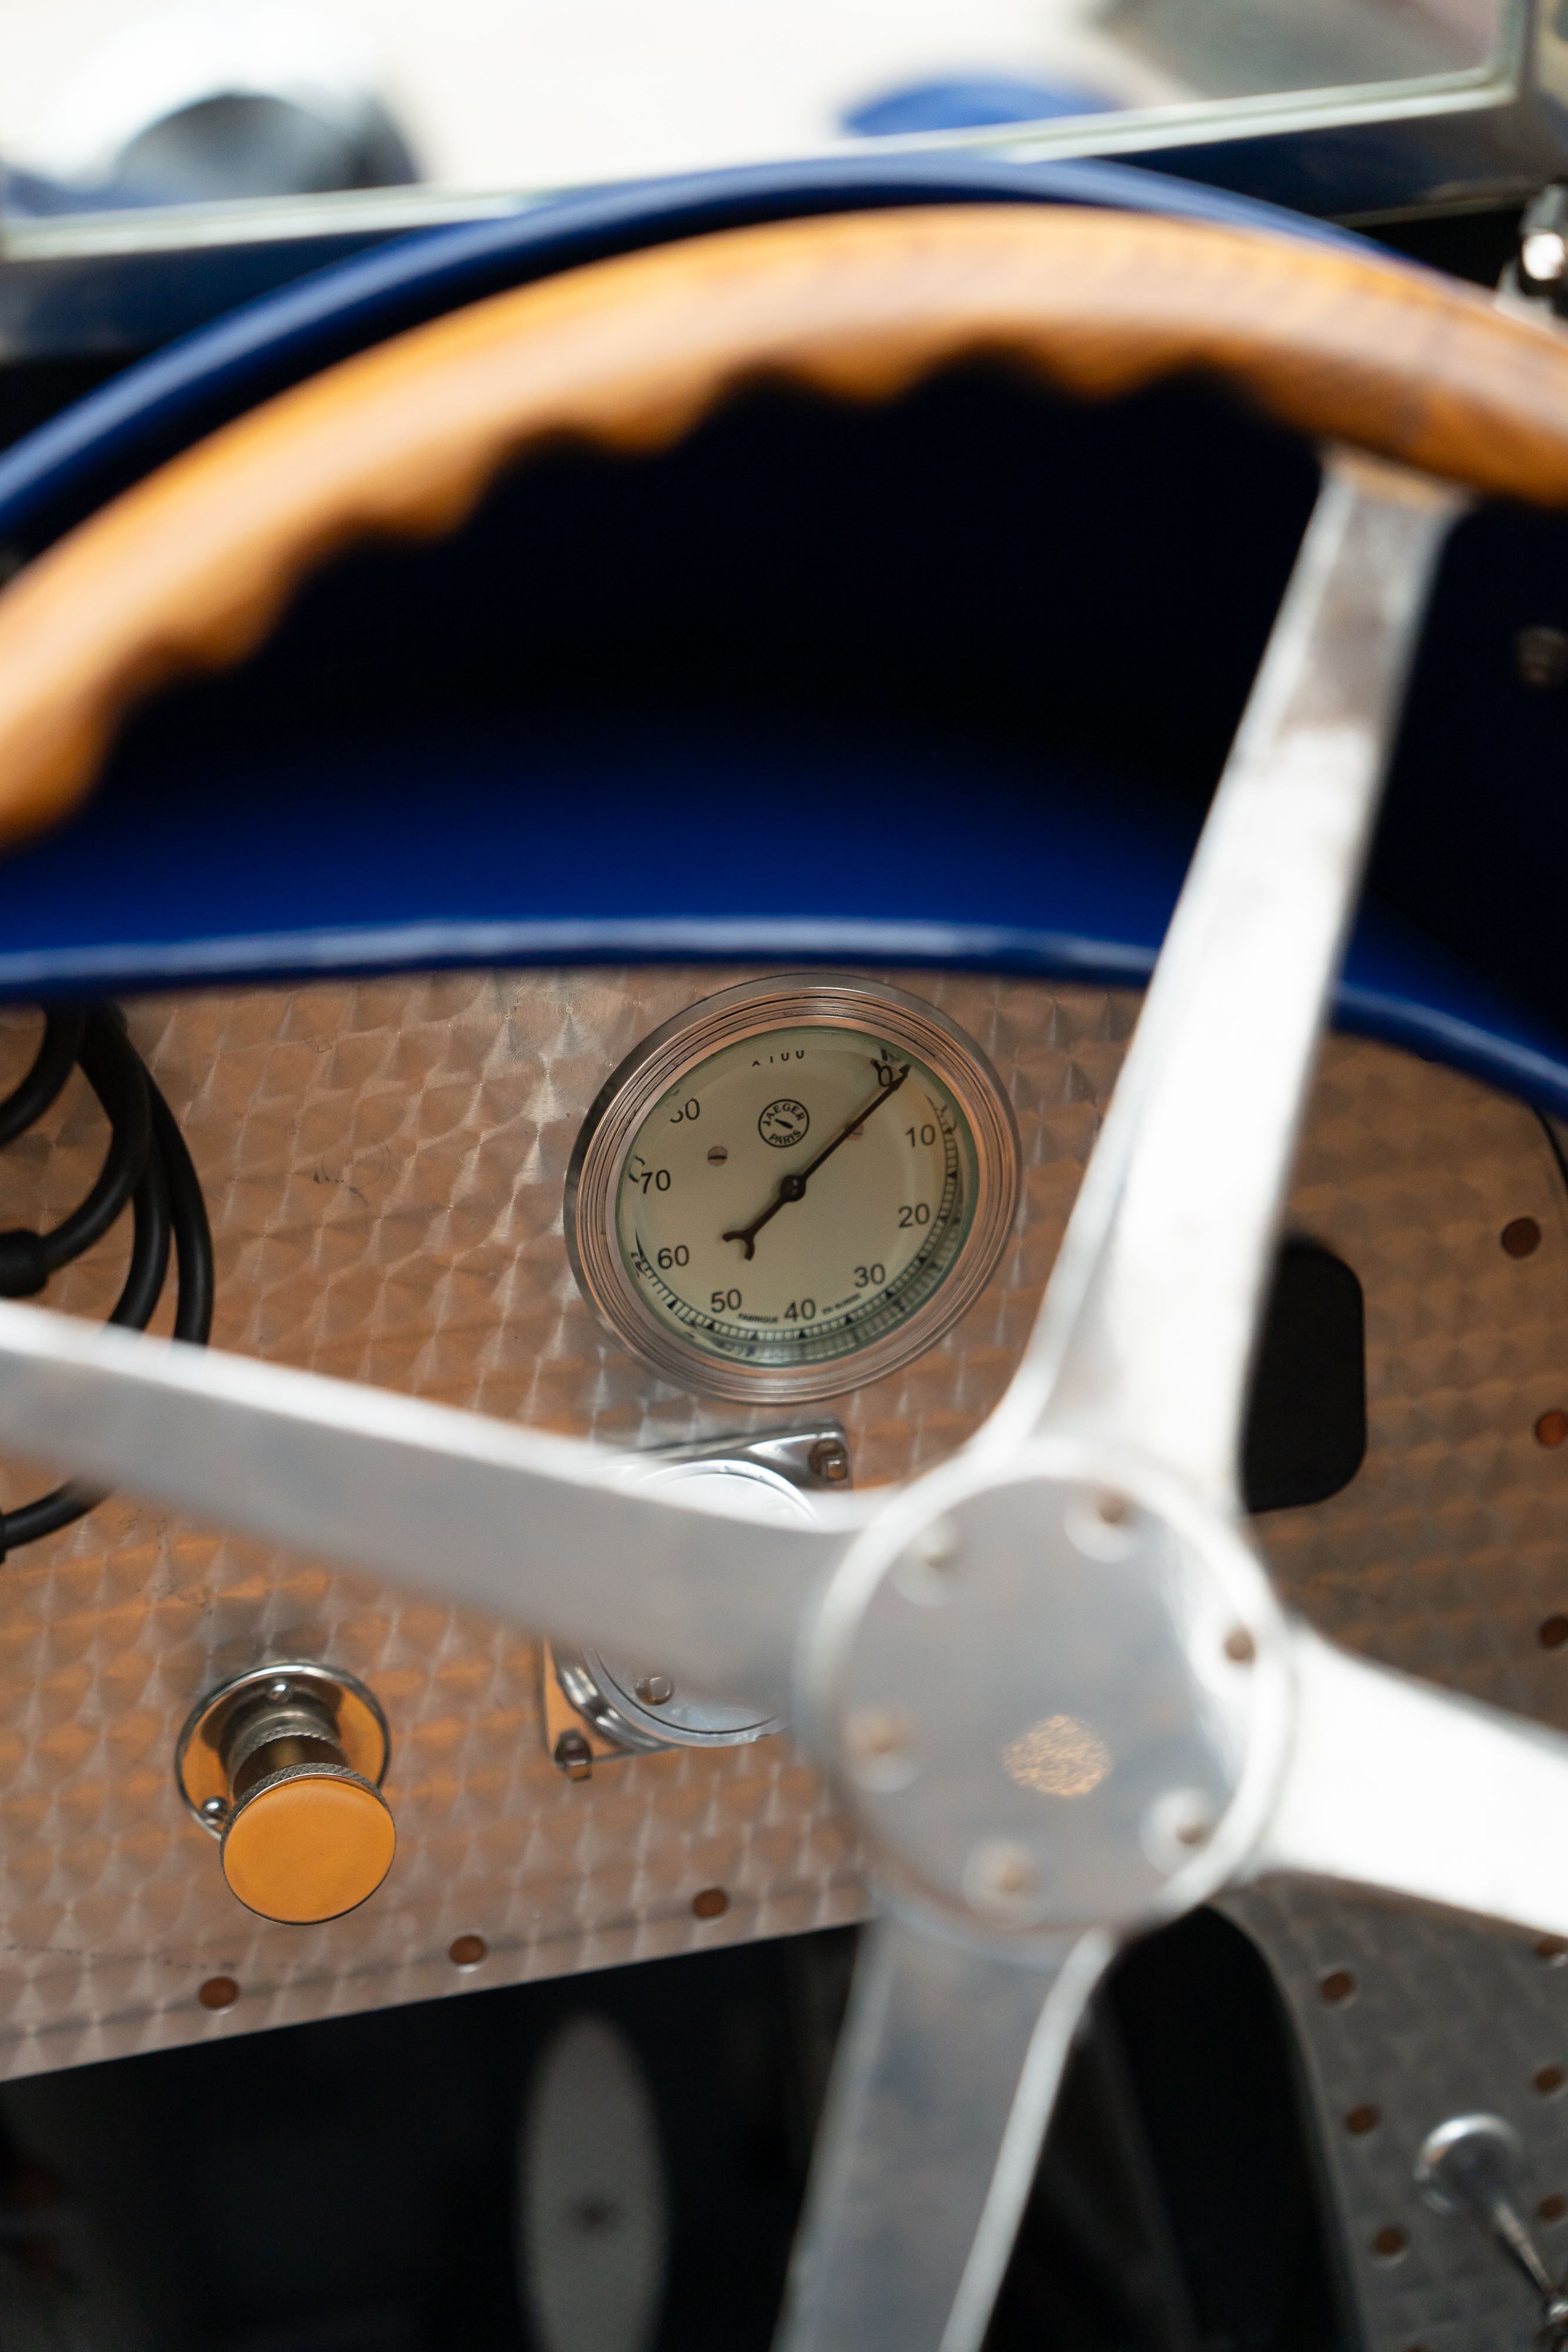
<point x="1337" y="1986"/>
<point x="1520" y="1237"/>
<point x="1552" y="1632"/>
<point x="1552" y="1950"/>
<point x="218" y="1992"/>
<point x="711" y="1904"/>
<point x="654" y="1690"/>
<point x="1553" y="2207"/>
<point x="573" y="1756"/>
<point x="466" y="1951"/>
<point x="1361" y="2120"/>
<point x="1389" y="2243"/>
<point x="1547" y="2081"/>
<point x="1552" y="1428"/>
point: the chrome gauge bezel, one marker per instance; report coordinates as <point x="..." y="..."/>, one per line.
<point x="793" y="999"/>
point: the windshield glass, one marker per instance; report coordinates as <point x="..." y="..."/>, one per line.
<point x="106" y="104"/>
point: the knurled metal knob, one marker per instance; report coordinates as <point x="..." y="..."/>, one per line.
<point x="284" y="1766"/>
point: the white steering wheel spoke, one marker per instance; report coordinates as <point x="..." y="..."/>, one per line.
<point x="946" y="2073"/>
<point x="1146" y="1332"/>
<point x="541" y="1532"/>
<point x="1399" y="1789"/>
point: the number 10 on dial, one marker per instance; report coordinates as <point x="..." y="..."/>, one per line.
<point x="793" y="1188"/>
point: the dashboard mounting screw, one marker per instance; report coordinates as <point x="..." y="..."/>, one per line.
<point x="829" y="1461"/>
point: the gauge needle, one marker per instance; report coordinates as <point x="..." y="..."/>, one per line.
<point x="793" y="1187"/>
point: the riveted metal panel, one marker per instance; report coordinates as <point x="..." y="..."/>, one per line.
<point x="384" y="1161"/>
<point x="1444" y="1557"/>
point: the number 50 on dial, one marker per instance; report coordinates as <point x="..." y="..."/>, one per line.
<point x="792" y="1188"/>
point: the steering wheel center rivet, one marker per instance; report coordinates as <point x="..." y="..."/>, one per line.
<point x="879" y="1744"/>
<point x="1104" y="1525"/>
<point x="1003" y="1877"/>
<point x="1176" y="1826"/>
<point x="925" y="1571"/>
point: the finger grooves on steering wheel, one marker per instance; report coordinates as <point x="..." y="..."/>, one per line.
<point x="190" y="568"/>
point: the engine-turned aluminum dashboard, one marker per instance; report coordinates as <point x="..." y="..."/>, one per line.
<point x="385" y="1163"/>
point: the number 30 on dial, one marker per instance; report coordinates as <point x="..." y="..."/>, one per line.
<point x="792" y="1188"/>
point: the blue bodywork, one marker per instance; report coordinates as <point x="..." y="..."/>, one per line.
<point x="962" y="703"/>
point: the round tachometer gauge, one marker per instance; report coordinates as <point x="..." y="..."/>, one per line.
<point x="792" y="1188"/>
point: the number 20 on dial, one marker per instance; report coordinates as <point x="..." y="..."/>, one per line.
<point x="793" y="1188"/>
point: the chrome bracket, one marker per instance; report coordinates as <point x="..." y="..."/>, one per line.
<point x="594" y="1709"/>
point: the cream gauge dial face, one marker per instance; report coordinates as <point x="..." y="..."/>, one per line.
<point x="793" y="1188"/>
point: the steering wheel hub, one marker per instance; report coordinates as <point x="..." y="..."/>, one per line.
<point x="1055" y="1697"/>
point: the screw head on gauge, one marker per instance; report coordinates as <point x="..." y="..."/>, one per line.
<point x="792" y="1188"/>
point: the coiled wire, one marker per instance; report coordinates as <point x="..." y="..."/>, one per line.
<point x="147" y="1167"/>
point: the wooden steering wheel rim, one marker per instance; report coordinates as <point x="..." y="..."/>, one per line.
<point x="190" y="568"/>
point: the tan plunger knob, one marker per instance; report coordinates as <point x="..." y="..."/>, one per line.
<point x="307" y="1837"/>
<point x="309" y="1844"/>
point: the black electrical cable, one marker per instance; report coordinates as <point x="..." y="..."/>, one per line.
<point x="148" y="1169"/>
<point x="53" y="1066"/>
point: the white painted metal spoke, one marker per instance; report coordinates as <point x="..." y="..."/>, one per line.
<point x="1402" y="1789"/>
<point x="945" y="2080"/>
<point x="542" y="1531"/>
<point x="1146" y="1336"/>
